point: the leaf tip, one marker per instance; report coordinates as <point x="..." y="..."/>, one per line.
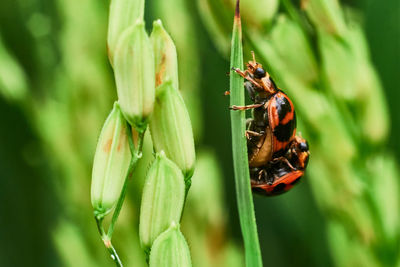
<point x="237" y="10"/>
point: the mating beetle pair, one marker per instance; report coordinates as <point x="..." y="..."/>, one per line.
<point x="277" y="157"/>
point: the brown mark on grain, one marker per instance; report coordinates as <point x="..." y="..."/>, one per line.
<point x="160" y="73"/>
<point x="121" y="140"/>
<point x="107" y="146"/>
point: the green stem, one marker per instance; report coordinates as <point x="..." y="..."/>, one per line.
<point x="136" y="156"/>
<point x="107" y="242"/>
<point x="239" y="147"/>
<point x="114" y="254"/>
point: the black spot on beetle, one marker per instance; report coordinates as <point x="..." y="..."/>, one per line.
<point x="259" y="190"/>
<point x="283" y="106"/>
<point x="283" y="132"/>
<point x="280" y="153"/>
<point x="280" y="188"/>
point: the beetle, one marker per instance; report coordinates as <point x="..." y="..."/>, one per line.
<point x="281" y="174"/>
<point x="273" y="125"/>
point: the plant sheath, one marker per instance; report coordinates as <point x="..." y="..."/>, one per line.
<point x="239" y="147"/>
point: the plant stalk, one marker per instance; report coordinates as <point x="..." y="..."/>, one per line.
<point x="239" y="147"/>
<point x="107" y="242"/>
<point x="136" y="156"/>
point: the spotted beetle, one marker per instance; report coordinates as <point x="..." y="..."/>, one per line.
<point x="281" y="174"/>
<point x="273" y="125"/>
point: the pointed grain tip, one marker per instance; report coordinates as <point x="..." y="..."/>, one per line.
<point x="237" y="10"/>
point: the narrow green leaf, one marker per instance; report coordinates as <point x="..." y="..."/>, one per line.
<point x="241" y="169"/>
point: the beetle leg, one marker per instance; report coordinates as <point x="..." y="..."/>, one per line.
<point x="246" y="107"/>
<point x="262" y="174"/>
<point x="245" y="75"/>
<point x="253" y="81"/>
<point x="248" y="122"/>
<point x="286" y="161"/>
<point x="240" y="72"/>
<point x="254" y="57"/>
<point x="252" y="133"/>
<point x="271" y="179"/>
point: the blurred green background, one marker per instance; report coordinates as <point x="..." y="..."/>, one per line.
<point x="57" y="89"/>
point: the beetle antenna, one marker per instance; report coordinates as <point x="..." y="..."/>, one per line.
<point x="254" y="57"/>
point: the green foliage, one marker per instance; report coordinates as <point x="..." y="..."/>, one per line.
<point x="343" y="114"/>
<point x="57" y="88"/>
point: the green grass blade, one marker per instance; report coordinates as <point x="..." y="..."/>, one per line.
<point x="241" y="169"/>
